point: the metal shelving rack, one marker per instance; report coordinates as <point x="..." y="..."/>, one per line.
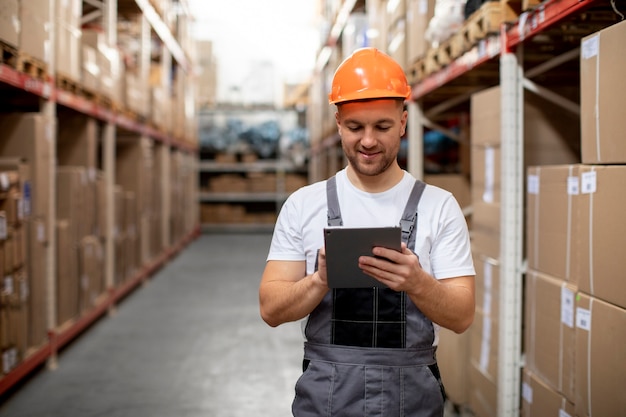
<point x="279" y="167"/>
<point x="508" y="55"/>
<point x="43" y="94"/>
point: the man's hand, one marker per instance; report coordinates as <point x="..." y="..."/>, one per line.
<point x="400" y="271"/>
<point x="320" y="277"/>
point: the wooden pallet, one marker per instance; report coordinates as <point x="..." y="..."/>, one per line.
<point x="104" y="101"/>
<point x="482" y="23"/>
<point x="32" y="66"/>
<point x="66" y="83"/>
<point x="8" y="54"/>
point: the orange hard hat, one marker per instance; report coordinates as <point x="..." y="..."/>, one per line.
<point x="368" y="74"/>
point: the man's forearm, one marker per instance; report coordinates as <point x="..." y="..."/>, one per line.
<point x="285" y="301"/>
<point x="447" y="302"/>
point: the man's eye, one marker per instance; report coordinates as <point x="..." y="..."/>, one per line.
<point x="383" y="128"/>
<point x="354" y="128"/>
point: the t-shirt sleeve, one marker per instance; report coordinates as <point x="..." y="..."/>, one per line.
<point x="451" y="254"/>
<point x="287" y="242"/>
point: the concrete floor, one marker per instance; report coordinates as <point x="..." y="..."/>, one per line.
<point x="189" y="343"/>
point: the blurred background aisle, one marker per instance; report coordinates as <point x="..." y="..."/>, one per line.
<point x="190" y="343"/>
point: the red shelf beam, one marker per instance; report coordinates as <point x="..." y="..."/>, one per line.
<point x="528" y="24"/>
<point x="82" y="105"/>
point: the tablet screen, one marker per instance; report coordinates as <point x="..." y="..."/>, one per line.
<point x="344" y="246"/>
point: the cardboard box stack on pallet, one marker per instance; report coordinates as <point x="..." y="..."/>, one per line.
<point x="549" y="133"/>
<point x="14" y="226"/>
<point x="575" y="291"/>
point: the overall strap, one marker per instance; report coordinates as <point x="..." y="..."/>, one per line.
<point x="334" y="213"/>
<point x="409" y="217"/>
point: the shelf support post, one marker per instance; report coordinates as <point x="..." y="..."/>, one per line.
<point x="511" y="234"/>
<point x="415" y="131"/>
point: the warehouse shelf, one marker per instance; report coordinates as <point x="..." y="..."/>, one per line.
<point x="542" y="43"/>
<point x="161" y="29"/>
<point x="59" y="338"/>
<point x="243" y="197"/>
<point x="479" y="66"/>
<point x="258" y="188"/>
<point x="126" y="146"/>
<point x="88" y="107"/>
<point x="258" y="166"/>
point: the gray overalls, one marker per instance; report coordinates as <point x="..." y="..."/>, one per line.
<point x="369" y="351"/>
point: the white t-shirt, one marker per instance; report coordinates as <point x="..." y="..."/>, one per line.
<point x="442" y="240"/>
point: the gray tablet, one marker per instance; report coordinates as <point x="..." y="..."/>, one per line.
<point x="344" y="246"/>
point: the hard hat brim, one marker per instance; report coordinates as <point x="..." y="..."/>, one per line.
<point x="370" y="95"/>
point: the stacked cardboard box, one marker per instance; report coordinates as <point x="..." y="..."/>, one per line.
<point x="10" y="22"/>
<point x="34" y="33"/>
<point x="14" y="300"/>
<point x="101" y="65"/>
<point x="549" y="137"/>
<point x="135" y="173"/>
<point x="576" y="297"/>
<point x="29" y="136"/>
<point x="68" y="39"/>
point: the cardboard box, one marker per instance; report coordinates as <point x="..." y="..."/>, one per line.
<point x="485" y="171"/>
<point x="487" y="284"/>
<point x="453" y="361"/>
<point x="602" y="91"/>
<point x="552" y="220"/>
<point x="10" y="22"/>
<point x="550" y="336"/>
<point x="68" y="286"/>
<point x="30" y="136"/>
<point x="91" y="270"/>
<point x="551" y="134"/>
<point x="457" y="184"/>
<point x="35" y="31"/>
<point x="419" y="13"/>
<point x="77" y="142"/>
<point x="483" y="397"/>
<point x="538" y="399"/>
<point x="600" y="364"/>
<point x="483" y="340"/>
<point x="602" y="237"/>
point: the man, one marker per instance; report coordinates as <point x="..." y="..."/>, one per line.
<point x="371" y="351"/>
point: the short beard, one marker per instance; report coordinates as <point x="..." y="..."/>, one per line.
<point x="370" y="170"/>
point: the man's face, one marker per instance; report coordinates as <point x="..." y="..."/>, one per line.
<point x="370" y="133"/>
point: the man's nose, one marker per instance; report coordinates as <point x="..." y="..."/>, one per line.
<point x="368" y="140"/>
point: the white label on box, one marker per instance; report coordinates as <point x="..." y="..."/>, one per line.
<point x="24" y="290"/>
<point x="8" y="284"/>
<point x="489" y="174"/>
<point x="533" y="184"/>
<point x="567" y="307"/>
<point x="3" y="226"/>
<point x="588" y="182"/>
<point x="487" y="302"/>
<point x="583" y="318"/>
<point x="488" y="275"/>
<point x="485" y="353"/>
<point x="4" y="181"/>
<point x="590" y="47"/>
<point x="26" y="198"/>
<point x="563" y="413"/>
<point x="573" y="185"/>
<point x="41" y="232"/>
<point x="422" y="6"/>
<point x="527" y="393"/>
